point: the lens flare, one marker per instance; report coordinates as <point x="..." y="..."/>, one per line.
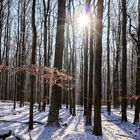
<point x="83" y="21"/>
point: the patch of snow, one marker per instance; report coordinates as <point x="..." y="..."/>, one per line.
<point x="74" y="129"/>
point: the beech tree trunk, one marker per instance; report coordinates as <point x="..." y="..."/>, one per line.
<point x="116" y="67"/>
<point x="108" y="64"/>
<point x="90" y="94"/>
<point x="34" y="38"/>
<point x="53" y="117"/>
<point x="46" y="87"/>
<point x="22" y="74"/>
<point x="97" y="129"/>
<point x="1" y="19"/>
<point x="124" y="63"/>
<point x="137" y="104"/>
<point x="86" y="59"/>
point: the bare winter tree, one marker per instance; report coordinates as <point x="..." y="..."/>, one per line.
<point x="108" y="63"/>
<point x="34" y="37"/>
<point x="137" y="104"/>
<point x="124" y="63"/>
<point x="97" y="129"/>
<point x="90" y="95"/>
<point x="53" y="117"/>
<point x="86" y="59"/>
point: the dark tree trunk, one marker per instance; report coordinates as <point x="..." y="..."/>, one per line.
<point x="53" y="117"/>
<point x="22" y="74"/>
<point x="70" y="83"/>
<point x="7" y="44"/>
<point x="97" y="129"/>
<point x="70" y="101"/>
<point x="85" y="73"/>
<point x="1" y="19"/>
<point x="46" y="87"/>
<point x="137" y="104"/>
<point x="108" y="64"/>
<point x="86" y="59"/>
<point x="116" y="69"/>
<point x="124" y="63"/>
<point x="73" y="84"/>
<point x="73" y="64"/>
<point x="18" y="53"/>
<point x="38" y="83"/>
<point x="90" y="95"/>
<point x="34" y="38"/>
<point x="81" y="79"/>
<point x="16" y="95"/>
<point x="132" y="78"/>
<point x="67" y="65"/>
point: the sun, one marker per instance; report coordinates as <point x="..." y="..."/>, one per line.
<point x="83" y="21"/>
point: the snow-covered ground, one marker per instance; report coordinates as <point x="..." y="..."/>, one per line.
<point x="113" y="129"/>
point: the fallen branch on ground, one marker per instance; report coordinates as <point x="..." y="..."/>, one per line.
<point x="22" y="122"/>
<point x="124" y="135"/>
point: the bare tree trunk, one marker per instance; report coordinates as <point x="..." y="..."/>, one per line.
<point x="22" y="74"/>
<point x="124" y="63"/>
<point x="108" y="64"/>
<point x="7" y="44"/>
<point x="46" y="87"/>
<point x="137" y="104"/>
<point x="116" y="67"/>
<point x="97" y="129"/>
<point x="86" y="60"/>
<point x="81" y="79"/>
<point x="1" y="19"/>
<point x="73" y="64"/>
<point x="53" y="117"/>
<point x="132" y="78"/>
<point x="90" y="95"/>
<point x="34" y="37"/>
<point x="66" y="63"/>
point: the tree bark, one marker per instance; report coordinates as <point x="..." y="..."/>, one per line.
<point x="108" y="64"/>
<point x="53" y="118"/>
<point x="137" y="104"/>
<point x="124" y="63"/>
<point x="22" y="74"/>
<point x="97" y="129"/>
<point x="34" y="37"/>
<point x="46" y="87"/>
<point x="90" y="94"/>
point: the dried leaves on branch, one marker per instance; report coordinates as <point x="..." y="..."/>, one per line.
<point x="52" y="76"/>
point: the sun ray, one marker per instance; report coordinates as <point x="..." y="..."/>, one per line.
<point x="83" y="21"/>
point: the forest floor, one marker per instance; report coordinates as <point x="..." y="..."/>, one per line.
<point x="113" y="129"/>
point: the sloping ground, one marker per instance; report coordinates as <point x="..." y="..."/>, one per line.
<point x="113" y="129"/>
